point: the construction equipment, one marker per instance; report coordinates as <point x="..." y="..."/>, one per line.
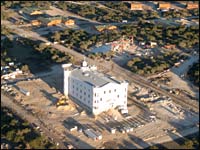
<point x="62" y="101"/>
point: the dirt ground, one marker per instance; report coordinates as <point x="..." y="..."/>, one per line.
<point x="25" y="54"/>
<point x="46" y="91"/>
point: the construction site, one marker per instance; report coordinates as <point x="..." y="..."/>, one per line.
<point x="119" y="46"/>
<point x="147" y="110"/>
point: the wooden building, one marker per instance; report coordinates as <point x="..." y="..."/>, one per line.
<point x="192" y="6"/>
<point x="51" y="21"/>
<point x="164" y="6"/>
<point x="136" y="6"/>
<point x="35" y="22"/>
<point x="69" y="22"/>
<point x="32" y="11"/>
<point x="102" y="28"/>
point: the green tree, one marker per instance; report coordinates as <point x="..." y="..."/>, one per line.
<point x="25" y="68"/>
<point x="182" y="44"/>
<point x="153" y="147"/>
<point x="56" y="36"/>
<point x="189" y="144"/>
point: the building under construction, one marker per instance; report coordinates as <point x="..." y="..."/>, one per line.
<point x="122" y="44"/>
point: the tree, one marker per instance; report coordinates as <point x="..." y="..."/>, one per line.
<point x="153" y="147"/>
<point x="141" y="72"/>
<point x="25" y="68"/>
<point x="56" y="36"/>
<point x="182" y="44"/>
<point x="41" y="47"/>
<point x="189" y="144"/>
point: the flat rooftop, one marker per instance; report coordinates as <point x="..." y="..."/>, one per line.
<point x="94" y="78"/>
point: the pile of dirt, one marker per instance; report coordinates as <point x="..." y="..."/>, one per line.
<point x="115" y="113"/>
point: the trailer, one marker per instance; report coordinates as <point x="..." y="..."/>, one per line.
<point x="74" y="128"/>
<point x="90" y="134"/>
<point x="113" y="130"/>
<point x="124" y="111"/>
<point x="25" y="92"/>
<point x="98" y="134"/>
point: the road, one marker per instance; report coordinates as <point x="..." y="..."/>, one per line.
<point x="25" y="79"/>
<point x="66" y="13"/>
<point x="182" y="69"/>
<point x="23" y="113"/>
<point x="119" y="71"/>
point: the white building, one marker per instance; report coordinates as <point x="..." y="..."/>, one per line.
<point x="94" y="90"/>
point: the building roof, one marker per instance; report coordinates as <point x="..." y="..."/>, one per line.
<point x="29" y="10"/>
<point x="47" y="20"/>
<point x="93" y="77"/>
<point x="66" y="18"/>
<point x="104" y="26"/>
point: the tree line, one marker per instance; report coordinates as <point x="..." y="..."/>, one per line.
<point x="20" y="134"/>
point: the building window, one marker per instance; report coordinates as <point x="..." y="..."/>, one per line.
<point x="100" y="99"/>
<point x="95" y="107"/>
<point x="89" y="95"/>
<point x="117" y="96"/>
<point x="125" y="96"/>
<point x="80" y="91"/>
<point x="115" y="90"/>
<point x="104" y="92"/>
<point x="95" y="94"/>
<point x="80" y="97"/>
<point x="94" y="101"/>
<point x="125" y="89"/>
<point x="73" y="86"/>
<point x="88" y="102"/>
<point x="109" y="91"/>
<point x="84" y="93"/>
<point x="84" y="99"/>
<point x="77" y="89"/>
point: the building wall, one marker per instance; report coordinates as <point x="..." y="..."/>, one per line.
<point x="136" y="6"/>
<point x="82" y="91"/>
<point x="192" y="5"/>
<point x="112" y="28"/>
<point x="164" y="5"/>
<point x="109" y="96"/>
<point x="66" y="82"/>
<point x="54" y="22"/>
<point x="100" y="29"/>
<point x="35" y="22"/>
<point x="36" y="12"/>
<point x="70" y="22"/>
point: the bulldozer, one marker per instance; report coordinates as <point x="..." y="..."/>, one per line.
<point x="62" y="101"/>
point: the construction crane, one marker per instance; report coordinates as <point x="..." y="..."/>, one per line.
<point x="62" y="101"/>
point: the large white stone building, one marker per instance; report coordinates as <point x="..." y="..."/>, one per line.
<point x="94" y="90"/>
